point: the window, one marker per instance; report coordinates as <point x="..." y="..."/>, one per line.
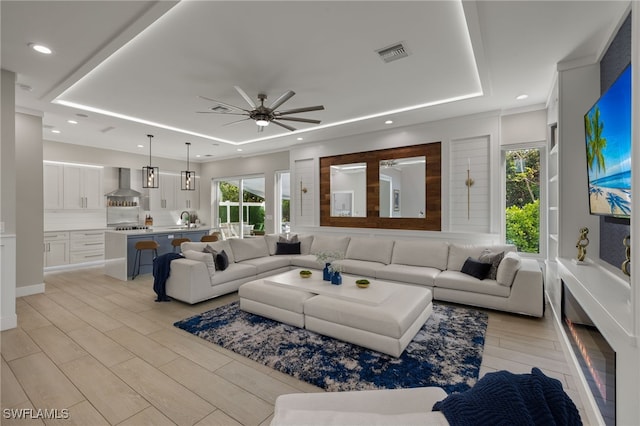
<point x="235" y="215"/>
<point x="283" y="199"/>
<point x="523" y="196"/>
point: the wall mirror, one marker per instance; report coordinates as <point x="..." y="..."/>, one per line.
<point x="349" y="190"/>
<point x="396" y="188"/>
<point x="401" y="190"/>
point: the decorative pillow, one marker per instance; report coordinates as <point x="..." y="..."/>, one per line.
<point x="199" y="256"/>
<point x="494" y="259"/>
<point x="292" y="238"/>
<point x="476" y="268"/>
<point x="222" y="261"/>
<point x="288" y="248"/>
<point x="508" y="269"/>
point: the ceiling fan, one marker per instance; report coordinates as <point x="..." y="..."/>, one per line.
<point x="261" y="114"/>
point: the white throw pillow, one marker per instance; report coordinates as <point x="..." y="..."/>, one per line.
<point x="199" y="256"/>
<point x="508" y="269"/>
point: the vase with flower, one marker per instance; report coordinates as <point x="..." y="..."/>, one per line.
<point x="328" y="258"/>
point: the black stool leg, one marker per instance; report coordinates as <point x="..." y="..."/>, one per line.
<point x="136" y="261"/>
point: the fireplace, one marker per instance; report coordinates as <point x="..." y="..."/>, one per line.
<point x="595" y="356"/>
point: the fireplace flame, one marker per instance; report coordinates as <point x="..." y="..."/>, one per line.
<point x="595" y="374"/>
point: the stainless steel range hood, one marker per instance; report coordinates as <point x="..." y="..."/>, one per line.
<point x="124" y="185"/>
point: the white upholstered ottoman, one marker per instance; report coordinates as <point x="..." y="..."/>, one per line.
<point x="278" y="303"/>
<point x="387" y="327"/>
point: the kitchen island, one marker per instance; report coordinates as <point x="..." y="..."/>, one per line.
<point x="120" y="248"/>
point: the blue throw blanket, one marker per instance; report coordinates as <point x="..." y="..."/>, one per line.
<point x="504" y="398"/>
<point x="161" y="271"/>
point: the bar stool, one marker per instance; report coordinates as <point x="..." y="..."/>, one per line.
<point x="177" y="241"/>
<point x="140" y="246"/>
<point x="209" y="238"/>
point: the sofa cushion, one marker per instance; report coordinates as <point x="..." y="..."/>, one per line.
<point x="475" y="268"/>
<point x="268" y="263"/>
<point x="432" y="254"/>
<point x="422" y="275"/>
<point x="456" y="280"/>
<point x="235" y="271"/>
<point x="494" y="258"/>
<point x="248" y="248"/>
<point x="200" y="256"/>
<point x="287" y="248"/>
<point x="359" y="267"/>
<point x="216" y="245"/>
<point x="306" y="261"/>
<point x="508" y="269"/>
<point x="372" y="249"/>
<point x="324" y="243"/>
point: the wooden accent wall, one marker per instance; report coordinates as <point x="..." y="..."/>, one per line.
<point x="432" y="187"/>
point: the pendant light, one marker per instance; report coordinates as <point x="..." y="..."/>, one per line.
<point x="150" y="174"/>
<point x="188" y="177"/>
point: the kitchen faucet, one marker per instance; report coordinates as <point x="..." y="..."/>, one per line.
<point x="188" y="221"/>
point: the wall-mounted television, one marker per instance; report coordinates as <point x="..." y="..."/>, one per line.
<point x="607" y="128"/>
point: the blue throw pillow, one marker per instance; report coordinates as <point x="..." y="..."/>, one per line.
<point x="222" y="261"/>
<point x="476" y="269"/>
<point x="288" y="248"/>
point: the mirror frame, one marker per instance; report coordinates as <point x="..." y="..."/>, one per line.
<point x="432" y="221"/>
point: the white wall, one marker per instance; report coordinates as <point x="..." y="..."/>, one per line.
<point x="29" y="205"/>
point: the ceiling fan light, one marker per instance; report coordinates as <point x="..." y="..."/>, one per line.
<point x="262" y="122"/>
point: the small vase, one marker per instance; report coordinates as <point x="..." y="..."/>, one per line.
<point x="336" y="278"/>
<point x="326" y="275"/>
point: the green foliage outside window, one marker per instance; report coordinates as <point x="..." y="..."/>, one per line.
<point x="523" y="199"/>
<point x="229" y="192"/>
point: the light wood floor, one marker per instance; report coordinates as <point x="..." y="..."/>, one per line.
<point x="104" y="350"/>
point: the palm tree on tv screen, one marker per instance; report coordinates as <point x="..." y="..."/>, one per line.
<point x="596" y="143"/>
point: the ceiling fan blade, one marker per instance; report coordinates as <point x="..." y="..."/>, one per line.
<point x="303" y="120"/>
<point x="237" y="121"/>
<point x="282" y="99"/>
<point x="246" y="97"/>
<point x="221" y="113"/>
<point x="223" y="104"/>
<point x="283" y="125"/>
<point x="299" y="110"/>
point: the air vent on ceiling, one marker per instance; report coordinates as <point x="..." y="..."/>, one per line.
<point x="47" y="126"/>
<point x="393" y="53"/>
<point x="107" y="129"/>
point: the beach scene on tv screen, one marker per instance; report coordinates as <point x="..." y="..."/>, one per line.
<point x="608" y="139"/>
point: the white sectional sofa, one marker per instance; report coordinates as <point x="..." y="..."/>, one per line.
<point x="518" y="287"/>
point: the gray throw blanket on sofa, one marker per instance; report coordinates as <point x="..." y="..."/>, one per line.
<point x="504" y="398"/>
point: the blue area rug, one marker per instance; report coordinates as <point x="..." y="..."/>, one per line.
<point x="446" y="352"/>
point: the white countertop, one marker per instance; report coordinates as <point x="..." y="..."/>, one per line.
<point x="160" y="230"/>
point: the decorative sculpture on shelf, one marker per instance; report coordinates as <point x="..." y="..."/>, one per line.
<point x="626" y="265"/>
<point x="582" y="244"/>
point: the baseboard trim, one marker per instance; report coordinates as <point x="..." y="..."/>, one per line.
<point x="29" y="290"/>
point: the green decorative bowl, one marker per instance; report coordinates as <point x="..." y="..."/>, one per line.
<point x="362" y="283"/>
<point x="305" y="274"/>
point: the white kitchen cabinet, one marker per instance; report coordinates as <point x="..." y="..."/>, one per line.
<point x="189" y="200"/>
<point x="53" y="188"/>
<point x="83" y="187"/>
<point x="164" y="197"/>
<point x="56" y="248"/>
<point x="86" y="246"/>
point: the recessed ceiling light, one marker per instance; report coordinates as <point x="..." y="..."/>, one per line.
<point x="140" y="146"/>
<point x="388" y="122"/>
<point x="55" y="131"/>
<point x="239" y="149"/>
<point x="198" y="155"/>
<point x="72" y="122"/>
<point x="300" y="139"/>
<point x="40" y="48"/>
<point x="521" y="97"/>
